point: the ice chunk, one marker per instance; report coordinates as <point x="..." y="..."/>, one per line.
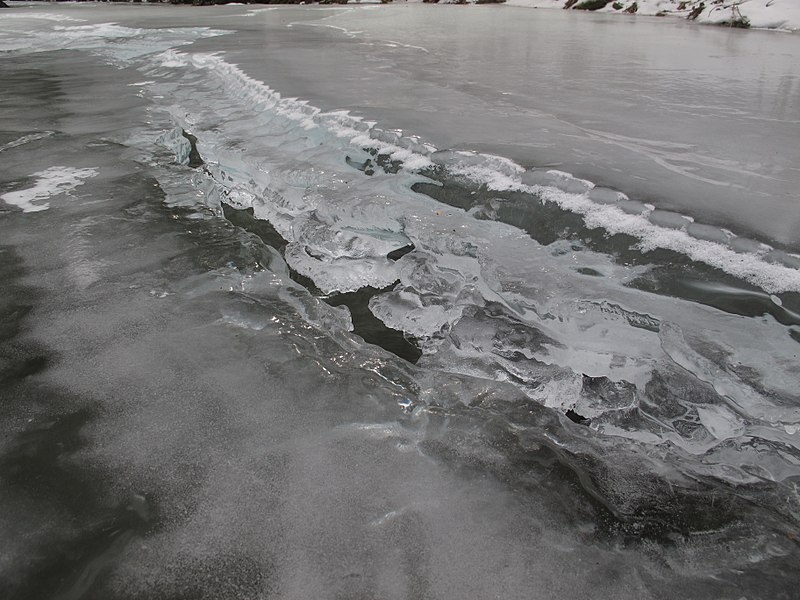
<point x="557" y="179"/>
<point x="606" y="195"/>
<point x="720" y="421"/>
<point x="669" y="219"/>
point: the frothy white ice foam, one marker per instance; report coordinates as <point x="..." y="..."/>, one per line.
<point x="575" y="195"/>
<point x="339" y="123"/>
<point x="496" y="172"/>
<point x="771" y="277"/>
<point x="50" y="182"/>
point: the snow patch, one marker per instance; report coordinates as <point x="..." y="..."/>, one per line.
<point x="50" y="182"/>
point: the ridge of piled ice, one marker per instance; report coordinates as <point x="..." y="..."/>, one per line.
<point x="468" y="290"/>
<point x="598" y="208"/>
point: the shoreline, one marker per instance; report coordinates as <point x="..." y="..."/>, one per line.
<point x="772" y="15"/>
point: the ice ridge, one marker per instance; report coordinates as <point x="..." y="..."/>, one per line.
<point x="772" y="270"/>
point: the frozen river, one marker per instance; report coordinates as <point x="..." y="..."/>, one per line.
<point x="396" y="302"/>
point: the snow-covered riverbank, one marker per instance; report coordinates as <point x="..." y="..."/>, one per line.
<point x="760" y="14"/>
<point x="767" y="14"/>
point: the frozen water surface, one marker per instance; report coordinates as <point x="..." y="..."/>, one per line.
<point x="403" y="302"/>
